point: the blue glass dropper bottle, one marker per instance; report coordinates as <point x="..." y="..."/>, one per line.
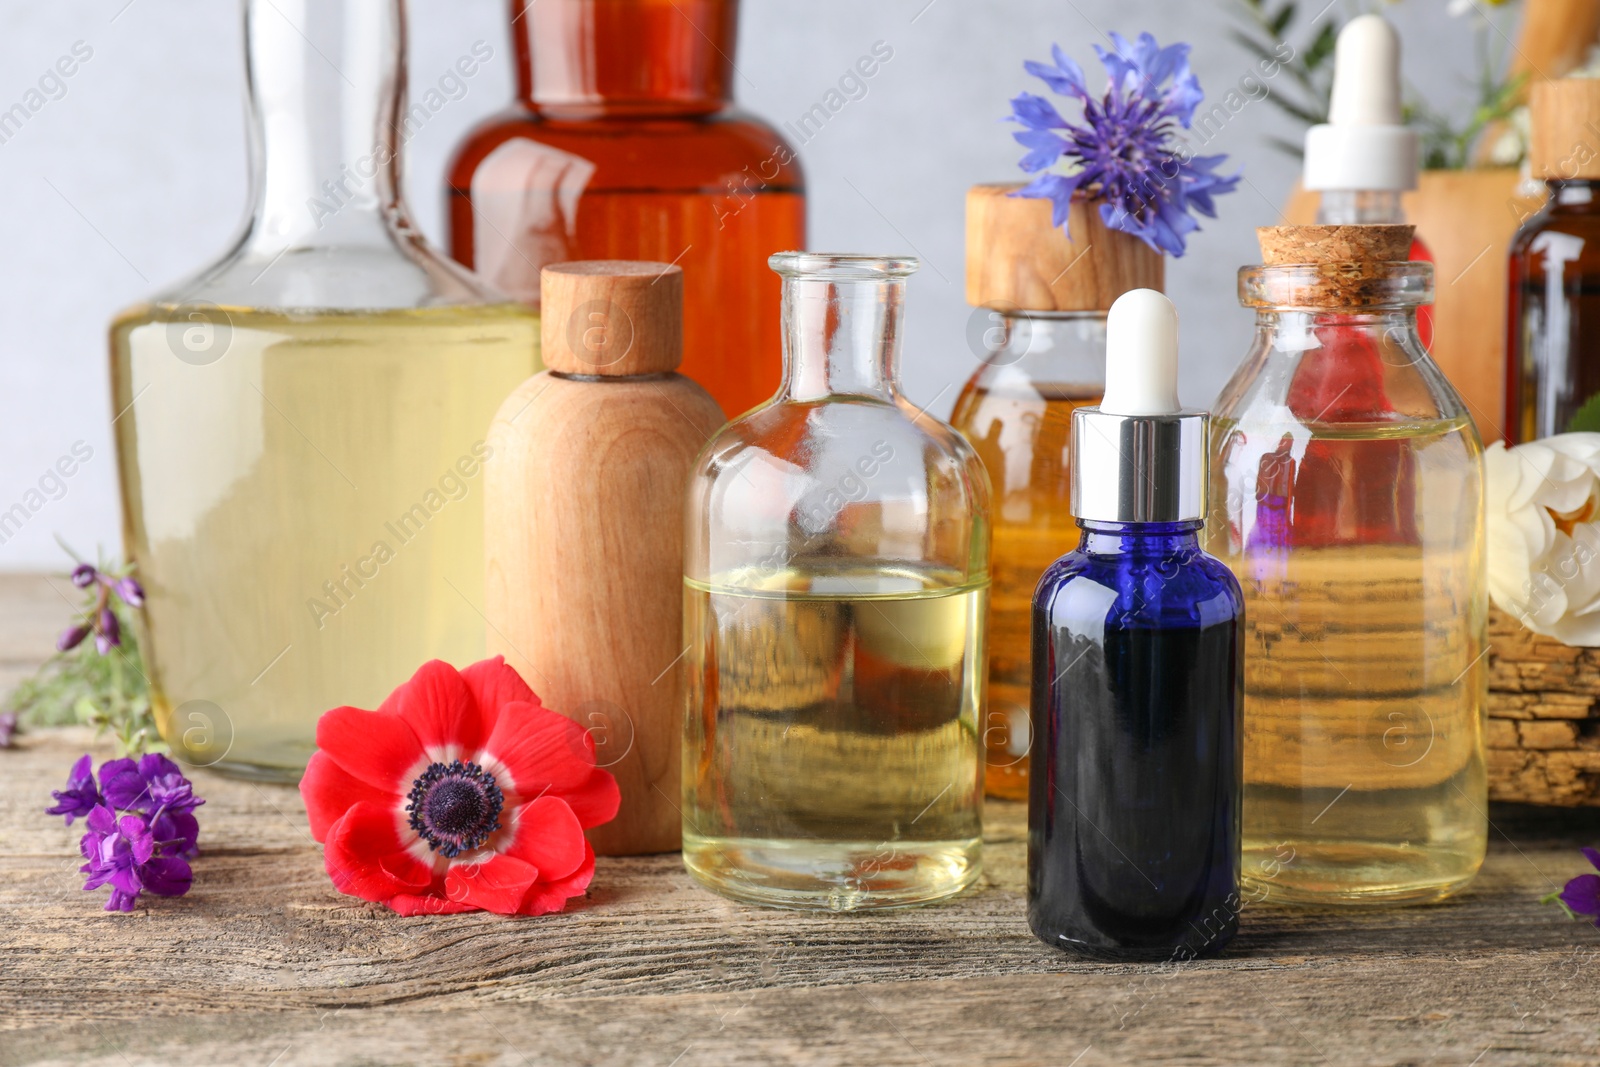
<point x="1133" y="821"/>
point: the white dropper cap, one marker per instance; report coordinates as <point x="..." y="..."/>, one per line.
<point x="1365" y="144"/>
<point x="1141" y="355"/>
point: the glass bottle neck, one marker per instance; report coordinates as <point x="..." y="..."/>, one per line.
<point x="579" y="58"/>
<point x="1140" y="540"/>
<point x="1360" y="207"/>
<point x="326" y="86"/>
<point x="1578" y="195"/>
<point x="841" y="337"/>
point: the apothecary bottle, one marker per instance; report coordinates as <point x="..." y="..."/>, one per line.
<point x="1553" y="317"/>
<point x="1039" y="333"/>
<point x="1347" y="496"/>
<point x="835" y="578"/>
<point x="624" y="143"/>
<point x="300" y="426"/>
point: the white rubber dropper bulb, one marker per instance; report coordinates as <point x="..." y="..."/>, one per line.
<point x="1141" y="355"/>
<point x="1366" y="74"/>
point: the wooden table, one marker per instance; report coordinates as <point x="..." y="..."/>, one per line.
<point x="263" y="963"/>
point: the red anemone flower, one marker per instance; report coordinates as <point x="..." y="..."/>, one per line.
<point x="461" y="793"/>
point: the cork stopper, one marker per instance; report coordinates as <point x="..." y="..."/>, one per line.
<point x="1016" y="259"/>
<point x="1293" y="245"/>
<point x="1564" y="121"/>
<point x="612" y="317"/>
<point x="1337" y="267"/>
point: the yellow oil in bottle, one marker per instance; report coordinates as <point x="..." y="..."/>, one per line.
<point x="1021" y="430"/>
<point x="1365" y="682"/>
<point x="303" y="500"/>
<point x="831" y="755"/>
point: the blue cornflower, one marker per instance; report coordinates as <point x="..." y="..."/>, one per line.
<point x="1126" y="151"/>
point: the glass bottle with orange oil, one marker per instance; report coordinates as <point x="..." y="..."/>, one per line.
<point x="1039" y="331"/>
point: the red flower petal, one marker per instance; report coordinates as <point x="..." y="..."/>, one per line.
<point x="494" y="685"/>
<point x="441" y="711"/>
<point x="548" y="835"/>
<point x="373" y="747"/>
<point x="596" y="801"/>
<point x="541" y="752"/>
<point x="546" y="897"/>
<point x="367" y="857"/>
<point x="329" y="791"/>
<point x="498" y="885"/>
<point x="409" y="904"/>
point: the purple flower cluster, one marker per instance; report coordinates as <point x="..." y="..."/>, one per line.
<point x="1582" y="894"/>
<point x="1126" y="151"/>
<point x="101" y="620"/>
<point x="141" y="830"/>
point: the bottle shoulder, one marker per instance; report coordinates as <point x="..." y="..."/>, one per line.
<point x="691" y="152"/>
<point x="1188" y="588"/>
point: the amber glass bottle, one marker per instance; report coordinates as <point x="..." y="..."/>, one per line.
<point x="1040" y="336"/>
<point x="1553" y="315"/>
<point x="624" y="144"/>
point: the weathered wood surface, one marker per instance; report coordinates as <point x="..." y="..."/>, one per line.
<point x="1544" y="717"/>
<point x="265" y="963"/>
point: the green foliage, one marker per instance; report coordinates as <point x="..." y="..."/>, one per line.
<point x="109" y="692"/>
<point x="1587" y="418"/>
<point x="1310" y="69"/>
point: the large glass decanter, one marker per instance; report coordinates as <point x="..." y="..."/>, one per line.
<point x="300" y="427"/>
<point x="1347" y="496"/>
<point x="835" y="586"/>
<point x="624" y="143"/>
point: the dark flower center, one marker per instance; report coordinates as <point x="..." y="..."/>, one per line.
<point x="455" y="807"/>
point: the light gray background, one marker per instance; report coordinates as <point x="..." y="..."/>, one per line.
<point x="136" y="176"/>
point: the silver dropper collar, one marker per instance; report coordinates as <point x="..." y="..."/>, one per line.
<point x="1138" y="468"/>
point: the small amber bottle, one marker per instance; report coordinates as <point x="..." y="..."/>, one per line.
<point x="1039" y="333"/>
<point x="1553" y="314"/>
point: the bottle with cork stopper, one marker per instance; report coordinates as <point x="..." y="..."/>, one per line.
<point x="1038" y="331"/>
<point x="1346" y="493"/>
<point x="584" y="528"/>
<point x="1553" y="310"/>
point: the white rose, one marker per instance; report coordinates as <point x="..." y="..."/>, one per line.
<point x="1544" y="541"/>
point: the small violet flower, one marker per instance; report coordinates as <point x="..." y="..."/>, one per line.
<point x="1582" y="894"/>
<point x="80" y="797"/>
<point x="1125" y="152"/>
<point x="124" y="854"/>
<point x="8" y="728"/>
<point x="101" y="619"/>
<point x="141" y="828"/>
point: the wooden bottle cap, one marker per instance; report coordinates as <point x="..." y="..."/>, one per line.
<point x="612" y="317"/>
<point x="1291" y="245"/>
<point x="1564" y="127"/>
<point x="1016" y="259"/>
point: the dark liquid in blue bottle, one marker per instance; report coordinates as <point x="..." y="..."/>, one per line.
<point x="1135" y="803"/>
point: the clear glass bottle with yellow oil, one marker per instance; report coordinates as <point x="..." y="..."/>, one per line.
<point x="1347" y="496"/>
<point x="300" y="427"/>
<point x="1039" y="332"/>
<point x="836" y="574"/>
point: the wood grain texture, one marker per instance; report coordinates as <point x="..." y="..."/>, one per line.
<point x="265" y="963"/>
<point x="1544" y="717"/>
<point x="1017" y="258"/>
<point x="583" y="509"/>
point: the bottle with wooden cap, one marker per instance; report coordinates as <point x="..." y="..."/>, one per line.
<point x="1038" y="332"/>
<point x="584" y="521"/>
<point x="1553" y="317"/>
<point x="1346" y="493"/>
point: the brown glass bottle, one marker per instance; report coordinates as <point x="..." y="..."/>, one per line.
<point x="624" y="144"/>
<point x="1553" y="309"/>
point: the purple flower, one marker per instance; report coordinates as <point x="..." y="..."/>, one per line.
<point x="123" y="854"/>
<point x="84" y="575"/>
<point x="108" y="634"/>
<point x="8" y="728"/>
<point x="72" y="637"/>
<point x="80" y="797"/>
<point x="131" y="592"/>
<point x="154" y="784"/>
<point x="1582" y="894"/>
<point x="1125" y="151"/>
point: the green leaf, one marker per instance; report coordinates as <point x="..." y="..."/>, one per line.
<point x="1587" y="418"/>
<point x="1321" y="46"/>
<point x="1280" y="21"/>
